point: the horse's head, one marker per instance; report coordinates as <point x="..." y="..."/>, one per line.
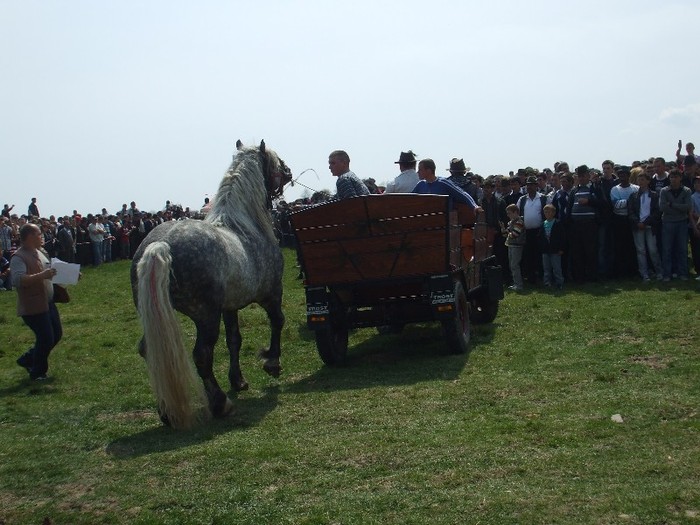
<point x="276" y="173"/>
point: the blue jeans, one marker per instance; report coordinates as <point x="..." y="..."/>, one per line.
<point x="551" y="264"/>
<point x="107" y="251"/>
<point x="48" y="332"/>
<point x="645" y="243"/>
<point x="96" y="252"/>
<point x="515" y="255"/>
<point x="675" y="248"/>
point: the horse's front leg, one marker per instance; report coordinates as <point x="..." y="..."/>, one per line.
<point x="203" y="355"/>
<point x="271" y="356"/>
<point x="234" y="342"/>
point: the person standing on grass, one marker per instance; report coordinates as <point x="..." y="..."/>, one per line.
<point x="623" y="242"/>
<point x="531" y="210"/>
<point x="515" y="241"/>
<point x="552" y="239"/>
<point x="96" y="231"/>
<point x="31" y="276"/>
<point x="645" y="218"/>
<point x="675" y="205"/>
<point x="584" y="202"/>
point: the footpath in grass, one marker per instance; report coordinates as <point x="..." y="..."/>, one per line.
<point x="573" y="408"/>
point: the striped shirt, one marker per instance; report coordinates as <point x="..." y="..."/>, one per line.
<point x="349" y="185"/>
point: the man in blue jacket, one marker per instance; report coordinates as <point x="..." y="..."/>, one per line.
<point x="429" y="183"/>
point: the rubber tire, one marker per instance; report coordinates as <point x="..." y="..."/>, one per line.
<point x="332" y="344"/>
<point x="483" y="310"/>
<point x="458" y="328"/>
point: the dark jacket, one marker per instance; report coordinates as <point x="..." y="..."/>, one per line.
<point x="556" y="241"/>
<point x="595" y="202"/>
<point x="654" y="219"/>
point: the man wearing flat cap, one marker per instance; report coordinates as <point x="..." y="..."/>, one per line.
<point x="458" y="176"/>
<point x="408" y="178"/>
<point x="582" y="211"/>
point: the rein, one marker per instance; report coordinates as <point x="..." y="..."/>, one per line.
<point x="266" y="177"/>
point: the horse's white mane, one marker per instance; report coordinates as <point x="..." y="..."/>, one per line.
<point x="241" y="201"/>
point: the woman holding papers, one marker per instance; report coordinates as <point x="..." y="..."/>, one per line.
<point x="31" y="277"/>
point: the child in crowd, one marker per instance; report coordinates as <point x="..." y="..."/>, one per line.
<point x="515" y="240"/>
<point x="551" y="241"/>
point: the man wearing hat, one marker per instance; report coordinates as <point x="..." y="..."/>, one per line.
<point x="458" y="176"/>
<point x="408" y="178"/>
<point x="583" y="205"/>
<point x="531" y="208"/>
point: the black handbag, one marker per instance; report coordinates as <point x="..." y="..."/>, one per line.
<point x="60" y="294"/>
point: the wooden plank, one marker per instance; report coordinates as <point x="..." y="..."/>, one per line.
<point x="386" y="257"/>
<point x="370" y="215"/>
<point x="332" y="220"/>
<point x="395" y="213"/>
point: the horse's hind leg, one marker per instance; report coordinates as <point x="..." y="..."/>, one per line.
<point x="203" y="354"/>
<point x="271" y="356"/>
<point x="234" y="342"/>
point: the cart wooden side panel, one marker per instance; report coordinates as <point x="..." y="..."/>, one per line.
<point x="377" y="237"/>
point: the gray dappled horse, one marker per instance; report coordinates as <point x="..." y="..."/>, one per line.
<point x="209" y="269"/>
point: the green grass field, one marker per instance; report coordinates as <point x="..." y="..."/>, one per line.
<point x="518" y="431"/>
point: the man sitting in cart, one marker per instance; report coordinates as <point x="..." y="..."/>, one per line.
<point x="348" y="184"/>
<point x="429" y="183"/>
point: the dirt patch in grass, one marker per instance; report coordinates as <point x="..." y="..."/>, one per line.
<point x="656" y="362"/>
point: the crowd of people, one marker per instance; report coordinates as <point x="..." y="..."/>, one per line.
<point x="549" y="226"/>
<point x="580" y="225"/>
<point x="88" y="240"/>
<point x="562" y="225"/>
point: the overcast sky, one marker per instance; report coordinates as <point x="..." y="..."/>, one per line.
<point x="104" y="102"/>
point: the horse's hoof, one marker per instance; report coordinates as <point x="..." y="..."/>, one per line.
<point x="164" y="418"/>
<point x="272" y="368"/>
<point x="239" y="386"/>
<point x="225" y="410"/>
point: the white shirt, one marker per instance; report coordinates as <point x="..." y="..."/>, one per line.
<point x="644" y="206"/>
<point x="532" y="212"/>
<point x="404" y="183"/>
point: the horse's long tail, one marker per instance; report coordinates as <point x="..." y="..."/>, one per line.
<point x="178" y="389"/>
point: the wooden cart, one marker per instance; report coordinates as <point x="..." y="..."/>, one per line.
<point x="388" y="260"/>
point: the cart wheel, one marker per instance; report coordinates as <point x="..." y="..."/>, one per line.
<point x="457" y="329"/>
<point x="332" y="344"/>
<point x="484" y="310"/>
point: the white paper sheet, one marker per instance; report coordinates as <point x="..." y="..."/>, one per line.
<point x="67" y="273"/>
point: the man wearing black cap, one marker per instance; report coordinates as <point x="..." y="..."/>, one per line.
<point x="408" y="178"/>
<point x="531" y="206"/>
<point x="623" y="241"/>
